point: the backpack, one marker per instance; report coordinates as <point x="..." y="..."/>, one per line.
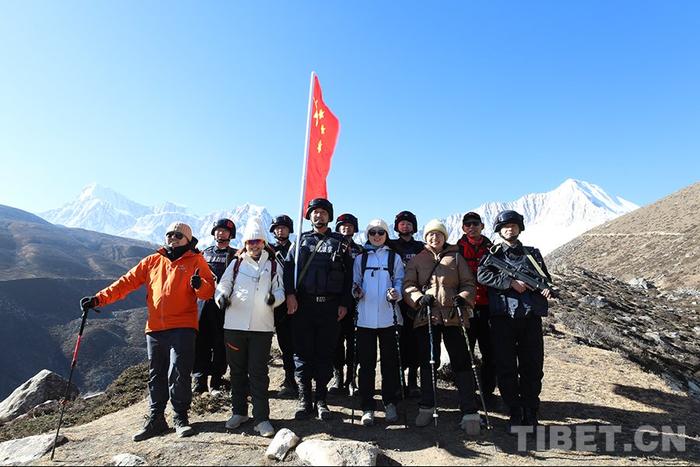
<point x="237" y="266"/>
<point x="390" y="268"/>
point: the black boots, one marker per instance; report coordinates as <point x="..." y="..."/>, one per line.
<point x="155" y="425"/>
<point x="305" y="408"/>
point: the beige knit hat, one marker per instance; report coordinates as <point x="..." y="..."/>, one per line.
<point x="254" y="230"/>
<point x="181" y="227"/>
<point x="432" y="226"/>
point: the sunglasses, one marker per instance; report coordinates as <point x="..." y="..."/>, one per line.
<point x="376" y="232"/>
<point x="472" y="223"/>
<point x="254" y="242"/>
<point x="177" y="235"/>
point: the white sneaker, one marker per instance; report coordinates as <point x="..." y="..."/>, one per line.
<point x="367" y="418"/>
<point x="471" y="423"/>
<point x="235" y="421"/>
<point x="390" y="413"/>
<point x="265" y="429"/>
<point x="425" y="416"/>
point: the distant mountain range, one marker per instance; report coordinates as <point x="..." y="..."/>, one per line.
<point x="551" y="218"/>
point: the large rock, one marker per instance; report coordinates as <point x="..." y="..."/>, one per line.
<point x="44" y="386"/>
<point x="320" y="452"/>
<point x="20" y="451"/>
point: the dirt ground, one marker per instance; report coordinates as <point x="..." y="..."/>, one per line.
<point x="582" y="386"/>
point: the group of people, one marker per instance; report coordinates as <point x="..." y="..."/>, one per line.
<point x="332" y="304"/>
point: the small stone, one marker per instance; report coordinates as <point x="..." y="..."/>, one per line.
<point x="127" y="459"/>
<point x="284" y="440"/>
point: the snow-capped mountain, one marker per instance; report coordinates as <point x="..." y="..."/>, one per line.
<point x="104" y="210"/>
<point x="553" y="218"/>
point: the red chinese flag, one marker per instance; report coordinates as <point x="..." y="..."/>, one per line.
<point x="323" y="134"/>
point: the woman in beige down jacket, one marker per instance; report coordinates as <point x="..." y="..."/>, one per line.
<point x="438" y="280"/>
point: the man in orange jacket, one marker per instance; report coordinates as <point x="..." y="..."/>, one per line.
<point x="173" y="282"/>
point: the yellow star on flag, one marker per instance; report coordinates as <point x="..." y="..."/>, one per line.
<point x="319" y="146"/>
<point x="323" y="129"/>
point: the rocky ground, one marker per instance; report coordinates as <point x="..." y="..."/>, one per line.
<point x="582" y="386"/>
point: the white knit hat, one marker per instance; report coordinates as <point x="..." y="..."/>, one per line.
<point x="254" y="230"/>
<point x="432" y="226"/>
<point x="181" y="227"/>
<point x="376" y="223"/>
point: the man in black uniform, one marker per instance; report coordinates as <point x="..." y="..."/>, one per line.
<point x="406" y="224"/>
<point x="281" y="227"/>
<point x="346" y="225"/>
<point x="318" y="299"/>
<point x="210" y="353"/>
<point x="516" y="313"/>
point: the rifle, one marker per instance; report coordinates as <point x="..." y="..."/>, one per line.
<point x="523" y="274"/>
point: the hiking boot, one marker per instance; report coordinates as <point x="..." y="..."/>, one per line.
<point x="390" y="413"/>
<point x="425" y="416"/>
<point x="336" y="386"/>
<point x="471" y="424"/>
<point x="235" y="421"/>
<point x="322" y="409"/>
<point x="265" y="429"/>
<point x="304" y="407"/>
<point x="182" y="425"/>
<point x="155" y="425"/>
<point x="516" y="420"/>
<point x="367" y="418"/>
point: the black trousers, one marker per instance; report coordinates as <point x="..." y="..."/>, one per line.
<point x="283" y="328"/>
<point x="367" y="357"/>
<point x="315" y="328"/>
<point x="518" y="349"/>
<point x="480" y="331"/>
<point x="456" y="346"/>
<point x="248" y="353"/>
<point x="346" y="341"/>
<point x="409" y="353"/>
<point x="210" y="353"/>
<point x="170" y="358"/>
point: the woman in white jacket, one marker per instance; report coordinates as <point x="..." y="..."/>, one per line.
<point x="249" y="291"/>
<point x="377" y="286"/>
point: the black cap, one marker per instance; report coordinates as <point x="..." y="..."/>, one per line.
<point x="471" y="215"/>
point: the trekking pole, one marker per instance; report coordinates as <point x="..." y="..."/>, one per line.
<point x="70" y="376"/>
<point x="476" y="375"/>
<point x="397" y="334"/>
<point x="354" y="361"/>
<point x="432" y="363"/>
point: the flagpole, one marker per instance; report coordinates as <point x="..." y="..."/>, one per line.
<point x="303" y="179"/>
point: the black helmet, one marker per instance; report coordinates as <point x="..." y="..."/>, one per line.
<point x="284" y="220"/>
<point x="406" y="216"/>
<point x="508" y="217"/>
<point x="471" y="215"/>
<point x="224" y="224"/>
<point x="346" y="219"/>
<point x="322" y="203"/>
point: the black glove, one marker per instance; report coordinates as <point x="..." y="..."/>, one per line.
<point x="426" y="300"/>
<point x="196" y="280"/>
<point x="87" y="303"/>
<point x="270" y="299"/>
<point x="458" y="300"/>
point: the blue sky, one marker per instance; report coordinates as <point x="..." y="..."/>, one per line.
<point x="442" y="106"/>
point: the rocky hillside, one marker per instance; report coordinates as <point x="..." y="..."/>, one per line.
<point x="659" y="243"/>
